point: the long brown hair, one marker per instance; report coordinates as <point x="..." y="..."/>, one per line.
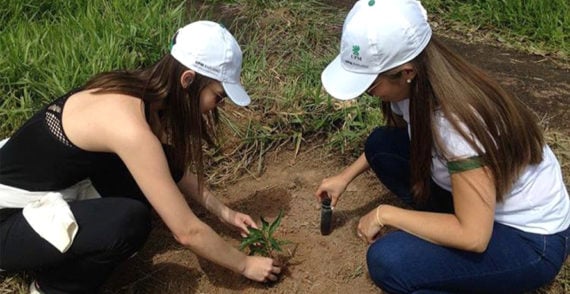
<point x="506" y="130"/>
<point x="183" y="124"/>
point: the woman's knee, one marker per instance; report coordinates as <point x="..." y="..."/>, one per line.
<point x="387" y="265"/>
<point x="387" y="140"/>
<point x="133" y="223"/>
<point x="123" y="225"/>
<point x="374" y="142"/>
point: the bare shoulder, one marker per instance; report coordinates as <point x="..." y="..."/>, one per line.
<point x="86" y="101"/>
<point x="95" y="121"/>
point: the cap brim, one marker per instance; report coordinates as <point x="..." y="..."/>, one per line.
<point x="343" y="84"/>
<point x="236" y="93"/>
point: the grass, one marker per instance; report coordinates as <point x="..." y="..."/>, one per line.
<point x="535" y="26"/>
<point x="51" y="46"/>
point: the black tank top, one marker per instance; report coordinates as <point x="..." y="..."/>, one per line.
<point x="40" y="157"/>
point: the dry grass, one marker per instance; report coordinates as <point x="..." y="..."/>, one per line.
<point x="13" y="283"/>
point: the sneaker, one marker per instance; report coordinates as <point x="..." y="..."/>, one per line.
<point x="34" y="288"/>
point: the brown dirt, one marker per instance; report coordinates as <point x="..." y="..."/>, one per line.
<point x="334" y="263"/>
<point x="540" y="83"/>
<point x="316" y="263"/>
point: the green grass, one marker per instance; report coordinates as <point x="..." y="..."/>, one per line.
<point x="51" y="46"/>
<point x="538" y="26"/>
<point x="290" y="82"/>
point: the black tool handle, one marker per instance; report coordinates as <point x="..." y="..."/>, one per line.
<point x="326" y="216"/>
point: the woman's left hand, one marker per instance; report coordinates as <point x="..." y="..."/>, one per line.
<point x="369" y="226"/>
<point x="239" y="220"/>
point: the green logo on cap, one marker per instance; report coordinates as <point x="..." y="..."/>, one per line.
<point x="356" y="53"/>
<point x="371" y="2"/>
<point x="356" y="50"/>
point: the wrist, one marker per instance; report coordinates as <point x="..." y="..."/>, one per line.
<point x="224" y="213"/>
<point x="243" y="266"/>
<point x="346" y="177"/>
<point x="380" y="221"/>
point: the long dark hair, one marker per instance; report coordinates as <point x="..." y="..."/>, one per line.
<point x="509" y="136"/>
<point x="181" y="120"/>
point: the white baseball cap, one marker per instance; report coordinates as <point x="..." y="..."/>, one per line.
<point x="210" y="49"/>
<point x="377" y="36"/>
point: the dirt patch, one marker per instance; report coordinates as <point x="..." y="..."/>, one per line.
<point x="316" y="263"/>
<point x="537" y="81"/>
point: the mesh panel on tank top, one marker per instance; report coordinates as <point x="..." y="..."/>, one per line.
<point x="53" y="121"/>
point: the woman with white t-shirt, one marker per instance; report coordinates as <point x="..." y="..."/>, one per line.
<point x="489" y="211"/>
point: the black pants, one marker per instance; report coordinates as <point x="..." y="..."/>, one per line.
<point x="110" y="230"/>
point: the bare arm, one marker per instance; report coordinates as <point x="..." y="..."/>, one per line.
<point x="334" y="186"/>
<point x="189" y="186"/>
<point x="355" y="169"/>
<point x="142" y="153"/>
<point x="470" y="228"/>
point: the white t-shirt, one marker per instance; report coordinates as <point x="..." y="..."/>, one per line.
<point x="538" y="202"/>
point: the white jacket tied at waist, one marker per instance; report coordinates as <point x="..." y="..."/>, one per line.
<point x="47" y="212"/>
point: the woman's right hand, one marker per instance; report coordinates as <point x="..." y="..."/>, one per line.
<point x="331" y="187"/>
<point x="261" y="269"/>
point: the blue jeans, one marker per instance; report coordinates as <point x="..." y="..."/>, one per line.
<point x="514" y="262"/>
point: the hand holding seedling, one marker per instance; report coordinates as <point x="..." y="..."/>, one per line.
<point x="261" y="269"/>
<point x="239" y="220"/>
<point x="262" y="242"/>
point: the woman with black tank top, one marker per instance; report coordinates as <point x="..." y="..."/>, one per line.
<point x="78" y="179"/>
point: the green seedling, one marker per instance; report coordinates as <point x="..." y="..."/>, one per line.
<point x="261" y="241"/>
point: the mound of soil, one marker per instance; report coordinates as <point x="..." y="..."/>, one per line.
<point x="315" y="263"/>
